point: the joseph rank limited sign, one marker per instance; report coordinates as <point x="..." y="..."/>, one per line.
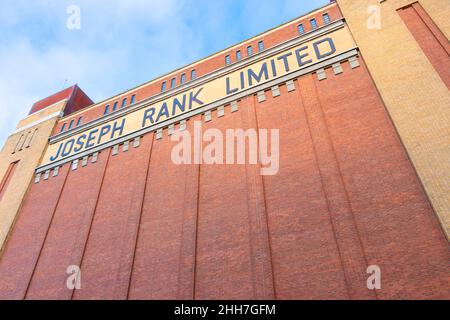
<point x="265" y="70"/>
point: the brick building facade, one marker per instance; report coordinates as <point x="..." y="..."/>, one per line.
<point x="352" y="190"/>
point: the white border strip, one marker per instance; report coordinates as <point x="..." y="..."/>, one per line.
<point x="35" y="123"/>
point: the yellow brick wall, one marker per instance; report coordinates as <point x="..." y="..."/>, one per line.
<point x="29" y="159"/>
<point x="415" y="96"/>
<point x="41" y="114"/>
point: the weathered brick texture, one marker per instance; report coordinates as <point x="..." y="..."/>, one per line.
<point x="141" y="227"/>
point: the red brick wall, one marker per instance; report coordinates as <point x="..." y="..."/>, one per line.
<point x="345" y="197"/>
<point x="23" y="248"/>
<point x="233" y="256"/>
<point x="77" y="100"/>
<point x="165" y="250"/>
<point x="305" y="256"/>
<point x="396" y="225"/>
<point x="70" y="228"/>
<point x="430" y="38"/>
<point x="44" y="103"/>
<point x="109" y="253"/>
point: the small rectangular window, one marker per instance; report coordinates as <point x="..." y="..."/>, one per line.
<point x="326" y="18"/>
<point x="227" y="60"/>
<point x="63" y="128"/>
<point x="163" y="86"/>
<point x="20" y="143"/>
<point x="106" y="109"/>
<point x="193" y="74"/>
<point x="301" y="29"/>
<point x="238" y="55"/>
<point x="7" y="178"/>
<point x="183" y="78"/>
<point x="71" y="124"/>
<point x="249" y="51"/>
<point x="261" y="46"/>
<point x="79" y="121"/>
<point x="313" y="24"/>
<point x="115" y="106"/>
<point x="173" y="82"/>
<point x="132" y="99"/>
<point x="124" y="103"/>
<point x="32" y="134"/>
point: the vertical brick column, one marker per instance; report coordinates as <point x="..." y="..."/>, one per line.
<point x="261" y="252"/>
<point x="114" y="229"/>
<point x="65" y="243"/>
<point x="188" y="245"/>
<point x="225" y="261"/>
<point x="396" y="223"/>
<point x="339" y="207"/>
<point x="431" y="40"/>
<point x="305" y="256"/>
<point x="165" y="250"/>
<point x="23" y="248"/>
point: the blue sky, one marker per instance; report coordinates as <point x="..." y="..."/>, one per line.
<point x="120" y="44"/>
